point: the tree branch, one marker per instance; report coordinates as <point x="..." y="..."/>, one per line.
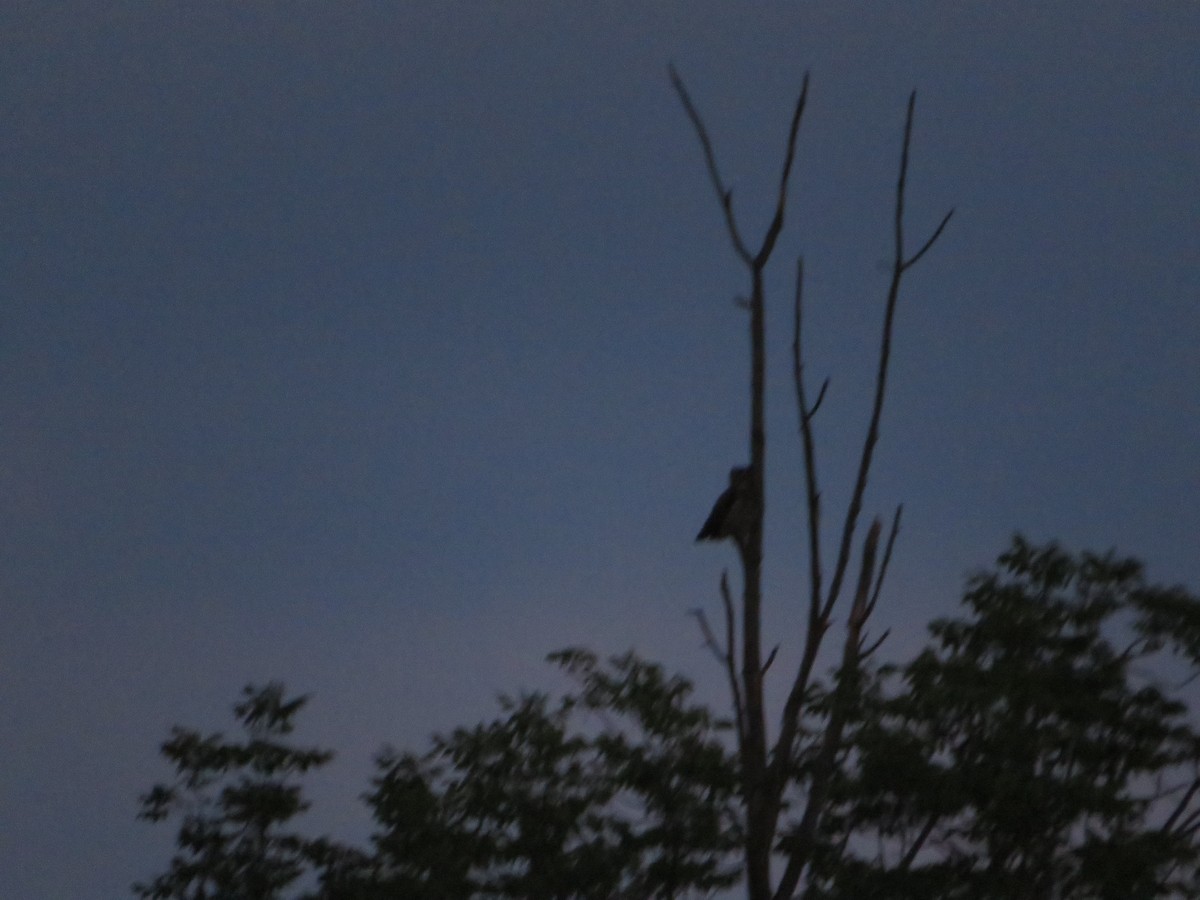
<point x="820" y="396"/>
<point x="900" y="262"/>
<point x="823" y="770"/>
<point x="812" y="493"/>
<point x="820" y="615"/>
<point x="937" y="232"/>
<point x="887" y="558"/>
<point x="1169" y="824"/>
<point x="731" y="655"/>
<point x="770" y="658"/>
<point x="911" y="853"/>
<point x="864" y="652"/>
<point x="724" y="194"/>
<point x="899" y="265"/>
<point x="726" y="657"/>
<point x="710" y="640"/>
<point x="776" y="225"/>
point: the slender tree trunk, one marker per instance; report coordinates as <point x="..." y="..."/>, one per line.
<point x="760" y="833"/>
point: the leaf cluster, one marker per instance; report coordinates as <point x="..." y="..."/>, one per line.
<point x="1041" y="746"/>
<point x="233" y="799"/>
<point x="620" y="788"/>
<point x="1035" y="749"/>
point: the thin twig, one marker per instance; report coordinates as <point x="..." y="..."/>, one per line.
<point x="812" y="410"/>
<point x="710" y="640"/>
<point x="887" y="558"/>
<point x="770" y="658"/>
<point x="724" y="658"/>
<point x="777" y="221"/>
<point x="913" y="850"/>
<point x="937" y="232"/>
<point x="817" y="624"/>
<point x="1181" y="806"/>
<point x="812" y="493"/>
<point x="864" y="652"/>
<point x="898" y="222"/>
<point x="731" y="655"/>
<point x="866" y="576"/>
<point x="724" y="194"/>
<point x="899" y="265"/>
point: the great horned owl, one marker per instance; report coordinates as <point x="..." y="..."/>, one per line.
<point x="730" y="514"/>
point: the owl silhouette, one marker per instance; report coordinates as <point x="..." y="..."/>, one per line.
<point x="732" y="510"/>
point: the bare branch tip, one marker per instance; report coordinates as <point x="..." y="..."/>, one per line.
<point x="770" y="659"/>
<point x="820" y="396"/>
<point x="867" y="651"/>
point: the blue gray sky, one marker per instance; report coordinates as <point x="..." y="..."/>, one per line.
<point x="382" y="348"/>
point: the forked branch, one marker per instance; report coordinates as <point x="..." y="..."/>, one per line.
<point x="726" y="655"/>
<point x="899" y="266"/>
<point x="725" y="194"/>
<point x="776" y="225"/>
<point x="804" y="840"/>
<point x="821" y="607"/>
<point x="887" y="558"/>
<point x="812" y="494"/>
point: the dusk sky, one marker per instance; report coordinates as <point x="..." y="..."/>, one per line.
<point x="382" y="348"/>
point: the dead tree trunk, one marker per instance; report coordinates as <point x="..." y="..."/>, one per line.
<point x="766" y="768"/>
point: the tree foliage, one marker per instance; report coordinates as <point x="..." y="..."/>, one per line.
<point x="621" y="787"/>
<point x="233" y="799"/>
<point x="1040" y="747"/>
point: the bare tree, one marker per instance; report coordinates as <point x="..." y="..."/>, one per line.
<point x="768" y="769"/>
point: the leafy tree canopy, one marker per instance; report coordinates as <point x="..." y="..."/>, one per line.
<point x="233" y="799"/>
<point x="621" y="788"/>
<point x="1041" y="746"/>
